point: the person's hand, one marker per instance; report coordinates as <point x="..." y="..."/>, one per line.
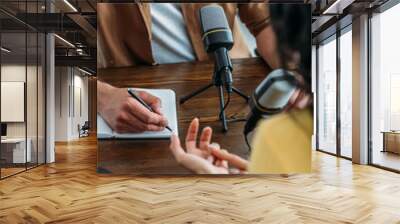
<point x="206" y="158"/>
<point x="125" y="114"/>
<point x="300" y="99"/>
<point x="237" y="164"/>
<point x="197" y="159"/>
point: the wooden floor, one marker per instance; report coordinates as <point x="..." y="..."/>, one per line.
<point x="387" y="159"/>
<point x="5" y="172"/>
<point x="70" y="191"/>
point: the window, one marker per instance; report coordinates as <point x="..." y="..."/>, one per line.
<point x="334" y="106"/>
<point x="22" y="75"/>
<point x="385" y="89"/>
<point x="346" y="92"/>
<point x="327" y="96"/>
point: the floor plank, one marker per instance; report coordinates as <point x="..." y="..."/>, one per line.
<point x="70" y="191"/>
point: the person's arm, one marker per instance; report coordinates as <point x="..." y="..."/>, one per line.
<point x="267" y="47"/>
<point x="256" y="16"/>
<point x="125" y="114"/>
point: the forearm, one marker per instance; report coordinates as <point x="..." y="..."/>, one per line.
<point x="103" y="93"/>
<point x="256" y="16"/>
<point x="267" y="47"/>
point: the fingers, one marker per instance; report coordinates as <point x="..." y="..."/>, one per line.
<point x="175" y="142"/>
<point x="230" y="158"/>
<point x="153" y="101"/>
<point x="124" y="114"/>
<point x="303" y="102"/>
<point x="191" y="135"/>
<point x="191" y="162"/>
<point x="143" y="114"/>
<point x="199" y="165"/>
<point x="205" y="139"/>
<point x="176" y="148"/>
<point x="212" y="159"/>
<point x="214" y="145"/>
<point x="126" y="122"/>
<point x="222" y="163"/>
<point x="299" y="99"/>
<point x="133" y="125"/>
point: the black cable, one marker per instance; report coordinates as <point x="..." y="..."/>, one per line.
<point x="225" y="106"/>
<point x="247" y="142"/>
<point x="232" y="120"/>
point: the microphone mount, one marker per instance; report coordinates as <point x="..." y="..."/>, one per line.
<point x="218" y="39"/>
<point x="223" y="68"/>
<point x="222" y="79"/>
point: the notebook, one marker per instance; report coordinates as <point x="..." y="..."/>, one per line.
<point x="168" y="108"/>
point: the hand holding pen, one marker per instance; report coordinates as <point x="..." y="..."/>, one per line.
<point x="124" y="114"/>
<point x="141" y="101"/>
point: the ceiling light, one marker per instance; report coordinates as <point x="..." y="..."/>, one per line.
<point x="70" y="5"/>
<point x="5" y="50"/>
<point x="65" y="41"/>
<point x="79" y="51"/>
<point x="337" y="7"/>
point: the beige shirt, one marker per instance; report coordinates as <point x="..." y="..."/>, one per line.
<point x="124" y="31"/>
<point x="282" y="144"/>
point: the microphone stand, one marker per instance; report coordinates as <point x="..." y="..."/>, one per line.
<point x="218" y="81"/>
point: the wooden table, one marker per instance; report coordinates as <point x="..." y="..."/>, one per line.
<point x="391" y="141"/>
<point x="153" y="157"/>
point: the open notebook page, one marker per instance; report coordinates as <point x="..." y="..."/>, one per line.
<point x="168" y="108"/>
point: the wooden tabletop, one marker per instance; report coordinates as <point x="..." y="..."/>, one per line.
<point x="153" y="157"/>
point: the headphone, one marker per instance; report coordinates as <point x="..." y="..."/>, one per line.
<point x="272" y="96"/>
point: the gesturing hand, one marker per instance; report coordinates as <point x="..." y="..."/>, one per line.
<point x="197" y="159"/>
<point x="206" y="158"/>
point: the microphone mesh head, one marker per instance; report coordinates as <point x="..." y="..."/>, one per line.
<point x="213" y="17"/>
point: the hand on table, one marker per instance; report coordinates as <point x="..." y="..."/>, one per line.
<point x="207" y="158"/>
<point x="125" y="114"/>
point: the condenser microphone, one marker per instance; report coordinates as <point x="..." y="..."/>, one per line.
<point x="217" y="38"/>
<point x="270" y="97"/>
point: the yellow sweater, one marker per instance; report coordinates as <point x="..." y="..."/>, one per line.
<point x="282" y="144"/>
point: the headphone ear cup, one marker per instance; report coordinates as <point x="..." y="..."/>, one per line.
<point x="269" y="98"/>
<point x="288" y="76"/>
<point x="270" y="95"/>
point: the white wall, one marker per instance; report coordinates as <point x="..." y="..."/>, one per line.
<point x="62" y="81"/>
<point x="16" y="73"/>
<point x="33" y="127"/>
<point x="71" y="94"/>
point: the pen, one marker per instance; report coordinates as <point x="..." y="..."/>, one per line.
<point x="136" y="97"/>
